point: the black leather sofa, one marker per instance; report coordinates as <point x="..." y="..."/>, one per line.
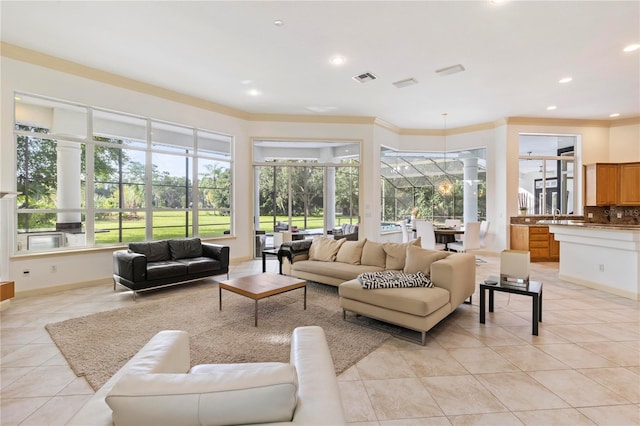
<point x="153" y="264"/>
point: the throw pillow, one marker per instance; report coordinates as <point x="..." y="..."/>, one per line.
<point x="373" y="254"/>
<point x="324" y="249"/>
<point x="396" y="254"/>
<point x="350" y="252"/>
<point x="420" y="260"/>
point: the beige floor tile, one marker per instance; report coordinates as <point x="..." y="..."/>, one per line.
<point x="559" y="417"/>
<point x="363" y="423"/>
<point x="494" y="336"/>
<point x="621" y="353"/>
<point x="15" y="410"/>
<point x="10" y="375"/>
<point x="614" y="415"/>
<point x="528" y="358"/>
<point x="433" y="362"/>
<point x="520" y="392"/>
<point x="350" y="374"/>
<point x="41" y="381"/>
<point x="457" y="395"/>
<point x="576" y="356"/>
<point x="401" y="399"/>
<point x="384" y="365"/>
<point x="620" y="380"/>
<point x="505" y="318"/>
<point x="452" y="336"/>
<point x="356" y="401"/>
<point x="619" y="331"/>
<point x="576" y="333"/>
<point x="577" y="389"/>
<point x="31" y="355"/>
<point x="425" y="421"/>
<point x="492" y="419"/>
<point x="58" y="410"/>
<point x="79" y="386"/>
<point x="482" y="360"/>
<point x="544" y="335"/>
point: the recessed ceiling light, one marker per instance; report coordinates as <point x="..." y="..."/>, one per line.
<point x="632" y="47"/>
<point x="278" y="22"/>
<point x="253" y="92"/>
<point x="551" y="107"/>
<point x="615" y="114"/>
<point x="17" y="98"/>
<point x="337" y="60"/>
<point x="565" y="80"/>
<point x="450" y="70"/>
<point x="245" y="82"/>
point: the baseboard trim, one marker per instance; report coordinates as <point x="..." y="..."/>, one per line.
<point x="63" y="287"/>
<point x="597" y="286"/>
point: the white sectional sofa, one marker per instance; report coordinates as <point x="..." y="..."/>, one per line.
<point x="159" y="387"/>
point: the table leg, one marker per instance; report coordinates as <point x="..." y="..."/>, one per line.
<point x="255" y="321"/>
<point x="305" y="297"/>
<point x="540" y="306"/>
<point x="264" y="262"/>
<point x="490" y="300"/>
<point x="535" y="314"/>
<point x="220" y="296"/>
<point x="482" y="297"/>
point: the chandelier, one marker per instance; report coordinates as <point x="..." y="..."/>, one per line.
<point x="445" y="186"/>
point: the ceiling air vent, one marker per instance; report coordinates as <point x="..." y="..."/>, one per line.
<point x="450" y="70"/>
<point x="406" y="82"/>
<point x="364" y="77"/>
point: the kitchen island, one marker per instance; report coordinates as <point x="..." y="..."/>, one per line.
<point x="601" y="256"/>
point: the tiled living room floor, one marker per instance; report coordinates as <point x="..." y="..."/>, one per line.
<point x="582" y="369"/>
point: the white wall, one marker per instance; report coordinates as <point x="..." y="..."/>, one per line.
<point x="624" y="143"/>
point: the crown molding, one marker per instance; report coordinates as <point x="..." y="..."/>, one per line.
<point x="47" y="61"/>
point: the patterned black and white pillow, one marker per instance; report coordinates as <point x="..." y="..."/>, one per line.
<point x="391" y="279"/>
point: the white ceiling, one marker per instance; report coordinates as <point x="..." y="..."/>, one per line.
<point x="514" y="54"/>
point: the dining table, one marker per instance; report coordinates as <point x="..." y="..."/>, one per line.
<point x="447" y="234"/>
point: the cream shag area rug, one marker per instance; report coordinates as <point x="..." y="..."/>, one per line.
<point x="98" y="345"/>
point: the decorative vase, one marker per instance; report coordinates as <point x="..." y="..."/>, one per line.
<point x="523" y="211"/>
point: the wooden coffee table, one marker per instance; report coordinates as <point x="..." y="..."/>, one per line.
<point x="260" y="286"/>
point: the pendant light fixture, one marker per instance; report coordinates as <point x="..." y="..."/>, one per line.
<point x="445" y="186"/>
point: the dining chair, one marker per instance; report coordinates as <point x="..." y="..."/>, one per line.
<point x="424" y="230"/>
<point x="405" y="231"/>
<point x="470" y="239"/>
<point x="484" y="229"/>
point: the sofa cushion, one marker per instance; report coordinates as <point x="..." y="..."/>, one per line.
<point x="373" y="254"/>
<point x="223" y="394"/>
<point x="420" y="260"/>
<point x="397" y="253"/>
<point x="165" y="269"/>
<point x="196" y="265"/>
<point x="182" y="248"/>
<point x="153" y="250"/>
<point x="324" y="249"/>
<point x="420" y="301"/>
<point x="343" y="271"/>
<point x="350" y="252"/>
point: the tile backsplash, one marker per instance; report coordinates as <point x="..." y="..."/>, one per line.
<point x="619" y="215"/>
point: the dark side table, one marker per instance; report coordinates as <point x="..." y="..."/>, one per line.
<point x="533" y="289"/>
<point x="271" y="252"/>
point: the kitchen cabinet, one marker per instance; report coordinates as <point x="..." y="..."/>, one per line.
<point x="629" y="194"/>
<point x="601" y="184"/>
<point x="537" y="240"/>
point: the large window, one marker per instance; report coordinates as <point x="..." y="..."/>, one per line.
<point x="435" y="183"/>
<point x="312" y="186"/>
<point x="90" y="177"/>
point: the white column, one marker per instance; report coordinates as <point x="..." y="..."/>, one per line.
<point x="69" y="194"/>
<point x="470" y="189"/>
<point x="330" y="202"/>
<point x="256" y="197"/>
<point x="69" y="187"/>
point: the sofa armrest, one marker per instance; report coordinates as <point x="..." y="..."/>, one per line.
<point x="216" y="251"/>
<point x="457" y="274"/>
<point x="166" y="352"/>
<point x="130" y="266"/>
<point x="319" y="401"/>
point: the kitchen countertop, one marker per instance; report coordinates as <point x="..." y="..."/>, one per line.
<point x="583" y="224"/>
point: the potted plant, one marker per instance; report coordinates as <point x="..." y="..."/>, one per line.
<point x="522" y="203"/>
